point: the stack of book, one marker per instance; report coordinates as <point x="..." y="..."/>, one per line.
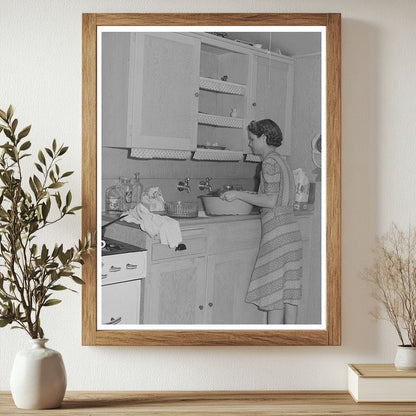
<point x="381" y="383"/>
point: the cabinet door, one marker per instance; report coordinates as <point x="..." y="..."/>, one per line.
<point x="121" y="303"/>
<point x="273" y="86"/>
<point x="176" y="292"/>
<point x="163" y="91"/>
<point x="228" y="276"/>
<point x="114" y="88"/>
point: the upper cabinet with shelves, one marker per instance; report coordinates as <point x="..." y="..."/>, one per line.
<point x="223" y="95"/>
<point x="178" y="91"/>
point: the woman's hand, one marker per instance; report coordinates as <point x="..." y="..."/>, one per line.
<point x="229" y="196"/>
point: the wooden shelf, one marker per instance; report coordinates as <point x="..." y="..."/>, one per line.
<point x="225" y="87"/>
<point x="178" y="403"/>
<point x="220" y="121"/>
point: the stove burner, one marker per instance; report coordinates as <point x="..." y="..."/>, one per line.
<point x="109" y="247"/>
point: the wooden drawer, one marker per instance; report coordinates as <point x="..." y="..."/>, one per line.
<point x="195" y="241"/>
<point x="122" y="267"/>
<point x="234" y="236"/>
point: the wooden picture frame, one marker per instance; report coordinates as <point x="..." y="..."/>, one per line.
<point x="331" y="334"/>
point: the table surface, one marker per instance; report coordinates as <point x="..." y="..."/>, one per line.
<point x="212" y="403"/>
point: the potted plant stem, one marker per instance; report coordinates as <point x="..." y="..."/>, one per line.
<point x="393" y="277"/>
<point x="31" y="272"/>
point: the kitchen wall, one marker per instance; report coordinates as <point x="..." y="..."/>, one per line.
<point x="167" y="173"/>
<point x="306" y="112"/>
<point x="41" y="76"/>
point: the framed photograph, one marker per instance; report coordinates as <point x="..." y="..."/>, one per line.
<point x="211" y="172"/>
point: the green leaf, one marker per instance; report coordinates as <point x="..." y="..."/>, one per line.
<point x="59" y="287"/>
<point x="41" y="157"/>
<point x="45" y="210"/>
<point x="54" y="145"/>
<point x="51" y="302"/>
<point x="14" y="125"/>
<point x="39" y="167"/>
<point x="77" y="208"/>
<point x="68" y="199"/>
<point x="8" y="133"/>
<point x="67" y="174"/>
<point x="37" y="182"/>
<point x="44" y="253"/>
<point x="24" y="133"/>
<point x="10" y="112"/>
<point x="25" y="145"/>
<point x="76" y="279"/>
<point x="40" y="331"/>
<point x="5" y="321"/>
<point x="3" y="115"/>
<point x="33" y="187"/>
<point x="49" y="152"/>
<point x="56" y="185"/>
<point x="58" y="199"/>
<point x="63" y="150"/>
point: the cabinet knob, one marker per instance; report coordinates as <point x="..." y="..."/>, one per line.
<point x="114" y="269"/>
<point x="197" y="94"/>
<point x="201" y="307"/>
<point x="253" y="104"/>
<point x="210" y="304"/>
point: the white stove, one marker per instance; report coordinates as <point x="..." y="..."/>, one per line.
<point x="123" y="270"/>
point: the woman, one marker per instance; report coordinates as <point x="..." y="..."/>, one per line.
<point x="275" y="285"/>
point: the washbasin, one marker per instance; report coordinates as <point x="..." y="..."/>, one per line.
<point x="214" y="205"/>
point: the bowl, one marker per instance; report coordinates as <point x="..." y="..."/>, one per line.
<point x="214" y="205"/>
<point x="181" y="209"/>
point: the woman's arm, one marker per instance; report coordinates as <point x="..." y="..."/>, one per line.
<point x="260" y="200"/>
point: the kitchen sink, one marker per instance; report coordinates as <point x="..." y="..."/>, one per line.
<point x="214" y="205"/>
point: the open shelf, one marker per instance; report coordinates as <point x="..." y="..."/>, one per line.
<point x="220" y="121"/>
<point x="225" y="87"/>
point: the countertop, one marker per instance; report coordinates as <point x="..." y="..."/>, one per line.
<point x="106" y="216"/>
<point x="178" y="403"/>
<point x="202" y="220"/>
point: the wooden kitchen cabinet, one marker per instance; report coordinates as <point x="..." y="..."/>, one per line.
<point x="207" y="282"/>
<point x="176" y="292"/>
<point x="174" y="91"/>
<point x="272" y="95"/>
<point x="163" y="91"/>
<point x="228" y="276"/>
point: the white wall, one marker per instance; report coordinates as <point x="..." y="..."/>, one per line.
<point x="40" y="73"/>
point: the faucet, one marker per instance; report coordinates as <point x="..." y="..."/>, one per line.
<point x="205" y="185"/>
<point x="184" y="185"/>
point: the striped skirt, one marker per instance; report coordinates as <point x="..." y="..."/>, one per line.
<point x="277" y="274"/>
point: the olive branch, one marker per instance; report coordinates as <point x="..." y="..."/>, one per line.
<point x="30" y="273"/>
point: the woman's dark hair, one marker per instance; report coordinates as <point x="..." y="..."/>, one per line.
<point x="269" y="128"/>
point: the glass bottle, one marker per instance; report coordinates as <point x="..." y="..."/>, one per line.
<point x="113" y="198"/>
<point x="126" y="191"/>
<point x="136" y="191"/>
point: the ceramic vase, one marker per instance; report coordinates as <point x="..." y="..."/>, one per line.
<point x="405" y="358"/>
<point x="38" y="377"/>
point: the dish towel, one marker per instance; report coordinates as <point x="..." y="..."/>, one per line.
<point x="154" y="225"/>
